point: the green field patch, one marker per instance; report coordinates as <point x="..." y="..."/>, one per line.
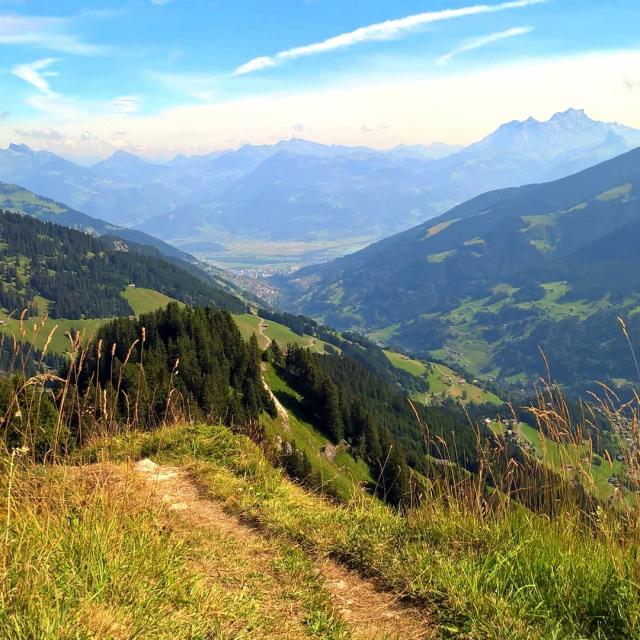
<point x="385" y="334"/>
<point x="435" y="258"/>
<point x="437" y="228"/>
<point x="37" y="331"/>
<point x="20" y="200"/>
<point x="538" y="222"/>
<point x="248" y="324"/>
<point x="337" y="293"/>
<point x="267" y="330"/>
<point x="556" y="309"/>
<point x="414" y="367"/>
<point x="541" y="245"/>
<point x="622" y="192"/>
<point x="444" y="381"/>
<point x="146" y="300"/>
<point x="474" y="242"/>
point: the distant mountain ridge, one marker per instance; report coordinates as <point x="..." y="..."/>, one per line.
<point x="73" y="275"/>
<point x="19" y="200"/>
<point x="303" y="191"/>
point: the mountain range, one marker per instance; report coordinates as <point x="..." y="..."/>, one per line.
<point x="308" y="199"/>
<point x="496" y="279"/>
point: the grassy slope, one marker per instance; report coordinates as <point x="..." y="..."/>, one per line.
<point x="567" y="460"/>
<point x="250" y="324"/>
<point x="142" y="301"/>
<point x="468" y="350"/>
<point x="88" y="555"/>
<point x="37" y="330"/>
<point x="513" y="577"/>
<point x="340" y="477"/>
<point x="442" y="381"/>
<point x="145" y="300"/>
<point x="414" y="367"/>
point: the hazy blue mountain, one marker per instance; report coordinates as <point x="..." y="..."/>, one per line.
<point x="110" y="189"/>
<point x="46" y="173"/>
<point x="509" y="271"/>
<point x="300" y="190"/>
<point x="533" y="151"/>
<point x="291" y="196"/>
<point x="433" y="151"/>
<point x="127" y="168"/>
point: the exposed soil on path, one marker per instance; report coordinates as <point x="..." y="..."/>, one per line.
<point x="370" y="614"/>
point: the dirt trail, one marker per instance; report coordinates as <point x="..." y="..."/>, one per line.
<point x="369" y="613"/>
<point x="261" y="327"/>
<point x="282" y="412"/>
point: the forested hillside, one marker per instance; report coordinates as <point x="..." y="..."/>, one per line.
<point x="74" y="275"/>
<point x="195" y="363"/>
<point x="18" y="200"/>
<point x="486" y="284"/>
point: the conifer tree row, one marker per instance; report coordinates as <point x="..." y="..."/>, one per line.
<point x="191" y="359"/>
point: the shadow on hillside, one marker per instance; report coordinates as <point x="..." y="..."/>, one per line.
<point x="293" y="405"/>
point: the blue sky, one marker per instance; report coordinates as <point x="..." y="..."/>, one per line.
<point x="162" y="76"/>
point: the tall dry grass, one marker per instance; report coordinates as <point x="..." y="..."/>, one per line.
<point x="521" y="546"/>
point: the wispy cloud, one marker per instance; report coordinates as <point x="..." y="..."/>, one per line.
<point x="36" y="75"/>
<point x="380" y="31"/>
<point x="44" y="32"/>
<point x="57" y="105"/>
<point x="483" y="41"/>
<point x="41" y="134"/>
<point x="126" y="104"/>
<point x="632" y="85"/>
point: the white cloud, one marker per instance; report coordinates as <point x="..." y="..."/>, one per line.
<point x="34" y="73"/>
<point x="41" y="134"/>
<point x="44" y="32"/>
<point x="126" y="104"/>
<point x="381" y="31"/>
<point x="483" y="41"/>
<point x="257" y="64"/>
<point x="457" y="107"/>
